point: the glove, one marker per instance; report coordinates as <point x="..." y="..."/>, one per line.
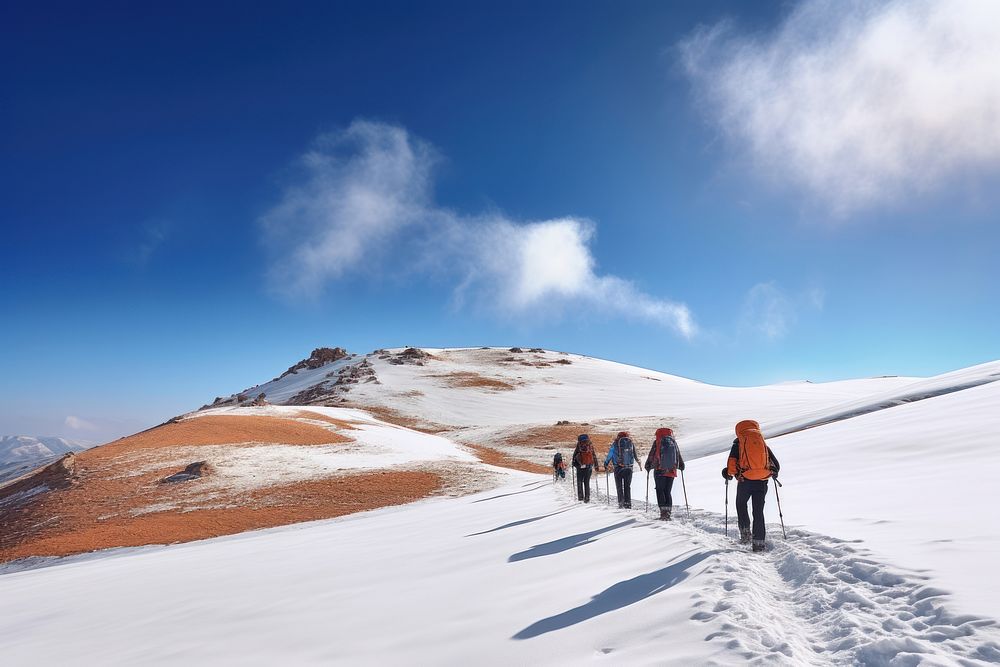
<point x="725" y="474"/>
<point x="649" y="467"/>
<point x="680" y="467"/>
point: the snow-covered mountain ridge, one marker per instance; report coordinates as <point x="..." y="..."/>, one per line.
<point x="501" y="395"/>
<point x="21" y="453"/>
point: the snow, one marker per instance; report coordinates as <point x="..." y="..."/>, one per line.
<point x="516" y="575"/>
<point x="890" y="556"/>
<point x="912" y="482"/>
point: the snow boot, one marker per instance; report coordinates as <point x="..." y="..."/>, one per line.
<point x="664" y="514"/>
<point x="758" y="545"/>
<point x="745" y="536"/>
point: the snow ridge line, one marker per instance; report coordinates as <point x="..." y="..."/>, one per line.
<point x="819" y="600"/>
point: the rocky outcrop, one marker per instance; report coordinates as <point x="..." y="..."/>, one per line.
<point x="192" y="471"/>
<point x="321" y="356"/>
<point x="260" y="401"/>
<point x="410" y="355"/>
<point x="359" y="373"/>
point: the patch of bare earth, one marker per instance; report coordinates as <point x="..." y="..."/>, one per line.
<point x="339" y="423"/>
<point x="220" y="430"/>
<point x="90" y="519"/>
<point x="99" y="499"/>
<point x="495" y="457"/>
<point x="558" y="436"/>
<point x="397" y="418"/>
<point x="469" y="379"/>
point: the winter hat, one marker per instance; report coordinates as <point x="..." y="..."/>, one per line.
<point x="583" y="437"/>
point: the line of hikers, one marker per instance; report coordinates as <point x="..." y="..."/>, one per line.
<point x="751" y="462"/>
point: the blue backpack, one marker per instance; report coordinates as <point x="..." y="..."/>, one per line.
<point x="668" y="453"/>
<point x="625" y="454"/>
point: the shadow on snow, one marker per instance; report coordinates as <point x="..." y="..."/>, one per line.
<point x="622" y="594"/>
<point x="512" y="493"/>
<point x="564" y="543"/>
<point x="519" y="523"/>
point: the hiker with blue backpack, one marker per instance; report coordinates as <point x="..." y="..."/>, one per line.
<point x="622" y="455"/>
<point x="665" y="460"/>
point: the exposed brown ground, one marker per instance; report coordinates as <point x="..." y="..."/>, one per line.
<point x="468" y="379"/>
<point x="559" y="437"/>
<point x="220" y="430"/>
<point x="339" y="423"/>
<point x="497" y="458"/>
<point x="61" y="523"/>
<point x="392" y="416"/>
<point x="111" y="496"/>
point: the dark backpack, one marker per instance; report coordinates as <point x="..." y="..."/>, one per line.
<point x="668" y="453"/>
<point x="557" y="459"/>
<point x="624" y="447"/>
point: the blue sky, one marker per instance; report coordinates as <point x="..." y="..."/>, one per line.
<point x="196" y="195"/>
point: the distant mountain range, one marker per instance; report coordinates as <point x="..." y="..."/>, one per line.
<point x="21" y="453"/>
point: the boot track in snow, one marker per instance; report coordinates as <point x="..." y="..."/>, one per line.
<point x="818" y="600"/>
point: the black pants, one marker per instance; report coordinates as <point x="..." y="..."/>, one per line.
<point x="751" y="489"/>
<point x="663" y="486"/>
<point x="623" y="485"/>
<point x="583" y="483"/>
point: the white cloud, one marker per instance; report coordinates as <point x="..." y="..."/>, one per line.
<point x="367" y="191"/>
<point x="859" y="103"/>
<point x="78" y="424"/>
<point x="771" y="311"/>
<point x="767" y="311"/>
<point x="358" y="188"/>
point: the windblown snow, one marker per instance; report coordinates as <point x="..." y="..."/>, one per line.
<point x="889" y="558"/>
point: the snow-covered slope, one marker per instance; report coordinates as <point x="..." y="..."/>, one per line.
<point x="914" y="482"/>
<point x="518" y="575"/>
<point x="889" y="558"/>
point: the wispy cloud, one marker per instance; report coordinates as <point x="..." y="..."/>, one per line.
<point x="767" y="311"/>
<point x="857" y="102"/>
<point x="154" y="233"/>
<point x="362" y="194"/>
<point x="770" y="311"/>
<point x="78" y="424"/>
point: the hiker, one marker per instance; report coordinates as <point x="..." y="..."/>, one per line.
<point x="558" y="467"/>
<point x="753" y="463"/>
<point x="665" y="460"/>
<point x="622" y="454"/>
<point x="585" y="462"/>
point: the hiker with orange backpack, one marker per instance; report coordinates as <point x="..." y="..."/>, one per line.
<point x="665" y="458"/>
<point x="622" y="454"/>
<point x="753" y="463"/>
<point x="585" y="461"/>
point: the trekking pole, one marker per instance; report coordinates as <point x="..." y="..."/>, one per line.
<point x="607" y="487"/>
<point x="727" y="509"/>
<point x="686" y="505"/>
<point x="780" y="515"/>
<point x="647" y="492"/>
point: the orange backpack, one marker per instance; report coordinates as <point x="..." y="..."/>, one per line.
<point x="753" y="462"/>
